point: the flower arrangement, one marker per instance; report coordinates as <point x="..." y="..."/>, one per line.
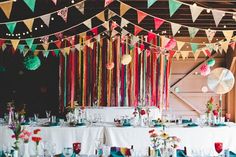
<point x="139" y="110"/>
<point x="36" y="138"/>
<point x="163" y="140"/>
<point x="25" y="136"/>
<point x="211" y="108"/>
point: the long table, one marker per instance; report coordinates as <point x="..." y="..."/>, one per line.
<point x="195" y="138"/>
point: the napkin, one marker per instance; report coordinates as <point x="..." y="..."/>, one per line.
<point x="232" y="154"/>
<point x="80" y="124"/>
<point x="219" y="125"/>
<point x="126" y="124"/>
<point x="116" y="154"/>
<point x="158" y="125"/>
<point x="180" y="153"/>
<point x="192" y="125"/>
<point x="184" y="121"/>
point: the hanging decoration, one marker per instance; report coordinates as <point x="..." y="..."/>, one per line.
<point x="32" y="62"/>
<point x="211" y="62"/>
<point x="205" y="70"/>
<point x="6" y="8"/>
<point x="63" y="13"/>
<point x="173" y="6"/>
<point x="30" y="4"/>
<point x="126" y="59"/>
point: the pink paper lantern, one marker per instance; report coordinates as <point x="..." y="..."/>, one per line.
<point x="205" y="70"/>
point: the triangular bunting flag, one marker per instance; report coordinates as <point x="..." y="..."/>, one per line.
<point x="31" y="4"/>
<point x="173" y="6"/>
<point x="44" y="39"/>
<point x="4" y="46"/>
<point x="158" y="22"/>
<point x="33" y="47"/>
<point x="150" y="3"/>
<point x="54" y="1"/>
<point x="77" y="46"/>
<point x="164" y="41"/>
<point x="58" y="43"/>
<point x="63" y="13"/>
<point x="21" y="48"/>
<point x="57" y="52"/>
<point x="46" y="19"/>
<point x="123" y="8"/>
<point x="106" y="25"/>
<point x="45" y="53"/>
<point x="88" y="23"/>
<point x="29" y="23"/>
<point x="29" y="42"/>
<point x="196" y="54"/>
<point x="110" y="14"/>
<point x="123" y="22"/>
<point x="107" y="2"/>
<point x="225" y="46"/>
<point x="80" y="7"/>
<point x="67" y="50"/>
<point x="141" y="15"/>
<point x="2" y="41"/>
<point x="180" y="44"/>
<point x="184" y="54"/>
<point x="210" y="47"/>
<point x="207" y="52"/>
<point x="217" y="15"/>
<point x="11" y="26"/>
<point x="137" y="29"/>
<point x="25" y="52"/>
<point x="228" y="34"/>
<point x="232" y="45"/>
<point x="6" y="8"/>
<point x="114" y="32"/>
<point x="177" y="55"/>
<point x="175" y="28"/>
<point x="101" y="16"/>
<point x="195" y="11"/>
<point x="210" y="34"/>
<point x="45" y="46"/>
<point x="95" y="31"/>
<point x="15" y="43"/>
<point x="194" y="47"/>
<point x="124" y="32"/>
<point x="192" y="31"/>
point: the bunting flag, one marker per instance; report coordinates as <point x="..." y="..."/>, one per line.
<point x="207" y="52"/>
<point x="195" y="11"/>
<point x="106" y="25"/>
<point x="177" y="55"/>
<point x="137" y="29"/>
<point x="123" y="22"/>
<point x="6" y="8"/>
<point x="33" y="47"/>
<point x="29" y="23"/>
<point x="15" y="43"/>
<point x="30" y="4"/>
<point x="80" y="7"/>
<point x="54" y="1"/>
<point x="210" y="34"/>
<point x="95" y="31"/>
<point x="184" y="54"/>
<point x="88" y="23"/>
<point x="228" y="34"/>
<point x="173" y="6"/>
<point x="141" y="15"/>
<point x="21" y="48"/>
<point x="194" y="47"/>
<point x="45" y="54"/>
<point x="63" y="13"/>
<point x="123" y="8"/>
<point x="217" y="15"/>
<point x="58" y="43"/>
<point x="44" y="39"/>
<point x="107" y="2"/>
<point x="175" y="28"/>
<point x="232" y="45"/>
<point x="150" y="3"/>
<point x="45" y="46"/>
<point x="180" y="44"/>
<point x="110" y="14"/>
<point x="196" y="54"/>
<point x="46" y="19"/>
<point x="158" y="22"/>
<point x="11" y="26"/>
<point x="101" y="16"/>
<point x="29" y="42"/>
<point x="225" y="46"/>
<point x="192" y="31"/>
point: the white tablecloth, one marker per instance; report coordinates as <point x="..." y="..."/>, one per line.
<point x="109" y="113"/>
<point x="61" y="136"/>
<point x="195" y="138"/>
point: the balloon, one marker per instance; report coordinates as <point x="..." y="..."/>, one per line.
<point x="211" y="62"/>
<point x="126" y="59"/>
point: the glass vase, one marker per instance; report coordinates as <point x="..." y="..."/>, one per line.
<point x="26" y="150"/>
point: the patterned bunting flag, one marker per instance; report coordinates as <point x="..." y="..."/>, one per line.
<point x="29" y="42"/>
<point x="44" y="39"/>
<point x="195" y="11"/>
<point x="123" y="22"/>
<point x="88" y="23"/>
<point x="210" y="34"/>
<point x="80" y="7"/>
<point x="150" y="3"/>
<point x="217" y="15"/>
<point x="228" y="34"/>
<point x="158" y="22"/>
<point x="173" y="6"/>
<point x="30" y="4"/>
<point x="6" y="8"/>
<point x="46" y="19"/>
<point x="63" y="13"/>
<point x="180" y="44"/>
<point x="59" y="36"/>
<point x="194" y="47"/>
<point x="141" y="15"/>
<point x="123" y="8"/>
<point x="175" y="28"/>
<point x="11" y="26"/>
<point x="192" y="31"/>
<point x="29" y="23"/>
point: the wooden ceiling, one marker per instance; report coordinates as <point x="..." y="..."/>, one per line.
<point x="160" y="9"/>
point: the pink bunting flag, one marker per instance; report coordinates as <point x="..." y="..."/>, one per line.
<point x="113" y="25"/>
<point x="142" y="47"/>
<point x="141" y="15"/>
<point x="137" y="29"/>
<point x="232" y="45"/>
<point x="59" y="35"/>
<point x="207" y="52"/>
<point x="54" y="1"/>
<point x="72" y="40"/>
<point x="63" y="13"/>
<point x="44" y="39"/>
<point x="171" y="44"/>
<point x="107" y="2"/>
<point x="95" y="31"/>
<point x="158" y="22"/>
<point x="151" y="36"/>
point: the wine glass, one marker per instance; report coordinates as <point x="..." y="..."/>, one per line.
<point x="67" y="152"/>
<point x="77" y="148"/>
<point x="218" y="147"/>
<point x="48" y="114"/>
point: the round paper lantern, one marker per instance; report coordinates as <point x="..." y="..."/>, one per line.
<point x="32" y="62"/>
<point x="205" y="70"/>
<point x="126" y="59"/>
<point x="110" y="66"/>
<point x="177" y="90"/>
<point x="211" y="62"/>
<point x="204" y="89"/>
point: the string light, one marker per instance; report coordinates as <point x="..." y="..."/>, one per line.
<point x="23" y="33"/>
<point x="27" y="32"/>
<point x="52" y="18"/>
<point x="41" y="26"/>
<point x="36" y="28"/>
<point x="224" y="26"/>
<point x="208" y="10"/>
<point x="72" y="1"/>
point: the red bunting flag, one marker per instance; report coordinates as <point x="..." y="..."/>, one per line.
<point x="1" y="42"/>
<point x="113" y="25"/>
<point x="172" y="53"/>
<point x="158" y="22"/>
<point x="137" y="29"/>
<point x="151" y="36"/>
<point x="207" y="52"/>
<point x="141" y="15"/>
<point x="95" y="31"/>
<point x="142" y="47"/>
<point x="58" y="43"/>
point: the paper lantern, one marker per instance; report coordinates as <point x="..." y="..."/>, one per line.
<point x="211" y="62"/>
<point x="177" y="90"/>
<point x="126" y="59"/>
<point x="204" y="89"/>
<point x="32" y="62"/>
<point x="205" y="70"/>
<point x="110" y="66"/>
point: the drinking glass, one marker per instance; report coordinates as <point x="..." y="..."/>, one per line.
<point x="36" y="117"/>
<point x="77" y="148"/>
<point x="227" y="116"/>
<point x="67" y="152"/>
<point x="48" y="114"/>
<point x="218" y="147"/>
<point x="52" y="149"/>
